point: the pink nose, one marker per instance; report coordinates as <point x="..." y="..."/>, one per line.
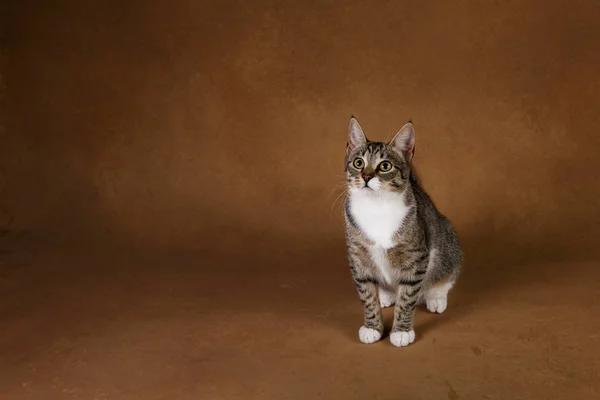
<point x="367" y="178"/>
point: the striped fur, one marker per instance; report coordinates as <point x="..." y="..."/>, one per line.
<point x="401" y="249"/>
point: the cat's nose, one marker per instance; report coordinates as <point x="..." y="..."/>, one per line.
<point x="367" y="178"/>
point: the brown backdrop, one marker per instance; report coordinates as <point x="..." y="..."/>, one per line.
<point x="216" y="130"/>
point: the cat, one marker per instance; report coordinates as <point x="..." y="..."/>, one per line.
<point x="402" y="251"/>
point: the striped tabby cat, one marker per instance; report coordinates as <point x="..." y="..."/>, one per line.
<point x="402" y="250"/>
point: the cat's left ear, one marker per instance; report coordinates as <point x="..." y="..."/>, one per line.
<point x="356" y="136"/>
<point x="404" y="141"/>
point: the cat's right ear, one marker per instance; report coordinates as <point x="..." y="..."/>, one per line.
<point x="356" y="136"/>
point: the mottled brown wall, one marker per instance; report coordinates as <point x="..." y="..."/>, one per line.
<point x="166" y="122"/>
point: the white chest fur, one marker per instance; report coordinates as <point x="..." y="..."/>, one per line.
<point x="378" y="214"/>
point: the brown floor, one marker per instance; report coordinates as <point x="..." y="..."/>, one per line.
<point x="168" y="218"/>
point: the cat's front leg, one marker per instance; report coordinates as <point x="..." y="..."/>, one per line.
<point x="409" y="288"/>
<point x="372" y="330"/>
<point x="366" y="286"/>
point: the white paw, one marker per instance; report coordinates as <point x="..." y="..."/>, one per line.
<point x="368" y="335"/>
<point x="437" y="304"/>
<point x="386" y="298"/>
<point x="401" y="339"/>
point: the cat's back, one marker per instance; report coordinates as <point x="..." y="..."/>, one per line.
<point x="429" y="215"/>
<point x="441" y="233"/>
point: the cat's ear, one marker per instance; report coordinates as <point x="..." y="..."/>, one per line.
<point x="404" y="141"/>
<point x="356" y="136"/>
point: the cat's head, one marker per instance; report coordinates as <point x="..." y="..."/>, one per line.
<point x="379" y="167"/>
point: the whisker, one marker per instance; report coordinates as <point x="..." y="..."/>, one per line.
<point x="343" y="194"/>
<point x="337" y="187"/>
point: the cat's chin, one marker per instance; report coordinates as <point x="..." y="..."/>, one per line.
<point x="366" y="191"/>
<point x="363" y="189"/>
<point x="370" y="192"/>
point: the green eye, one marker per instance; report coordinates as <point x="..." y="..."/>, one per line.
<point x="358" y="163"/>
<point x="385" y="166"/>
